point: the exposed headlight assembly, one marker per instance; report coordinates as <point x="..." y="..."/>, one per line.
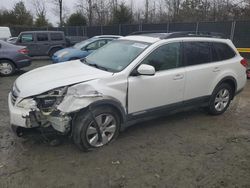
<point x="48" y="101"/>
<point x="27" y="104"/>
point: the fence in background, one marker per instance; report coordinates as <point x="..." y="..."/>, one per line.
<point x="237" y="31"/>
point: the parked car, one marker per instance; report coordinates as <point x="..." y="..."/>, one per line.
<point x="126" y="81"/>
<point x="82" y="49"/>
<point x="5" y="33"/>
<point x="42" y="43"/>
<point x="72" y="40"/>
<point x="12" y="58"/>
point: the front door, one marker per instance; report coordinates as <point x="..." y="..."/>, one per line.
<point x="28" y="40"/>
<point x="164" y="88"/>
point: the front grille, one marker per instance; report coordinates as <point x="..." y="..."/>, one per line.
<point x="13" y="98"/>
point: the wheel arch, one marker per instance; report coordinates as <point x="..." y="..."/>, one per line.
<point x="231" y="81"/>
<point x="9" y="60"/>
<point x="54" y="47"/>
<point x="111" y="103"/>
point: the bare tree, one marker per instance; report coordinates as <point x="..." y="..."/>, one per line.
<point x="146" y="10"/>
<point x="40" y="7"/>
<point x="59" y="8"/>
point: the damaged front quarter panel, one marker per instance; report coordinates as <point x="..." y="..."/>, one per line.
<point x="82" y="95"/>
<point x="79" y="97"/>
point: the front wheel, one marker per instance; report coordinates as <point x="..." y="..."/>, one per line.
<point x="96" y="128"/>
<point x="220" y="99"/>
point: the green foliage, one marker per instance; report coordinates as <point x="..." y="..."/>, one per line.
<point x="19" y="15"/>
<point x="76" y="19"/>
<point x="122" y="14"/>
<point x="41" y="21"/>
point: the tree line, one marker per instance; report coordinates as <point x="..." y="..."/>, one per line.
<point x="108" y="12"/>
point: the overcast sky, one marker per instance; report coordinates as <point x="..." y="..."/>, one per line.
<point x="70" y="4"/>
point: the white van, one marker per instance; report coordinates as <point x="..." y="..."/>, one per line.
<point x="4" y="33"/>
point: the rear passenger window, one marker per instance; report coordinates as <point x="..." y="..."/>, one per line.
<point x="42" y="37"/>
<point x="56" y="36"/>
<point x="222" y="52"/>
<point x="197" y="53"/>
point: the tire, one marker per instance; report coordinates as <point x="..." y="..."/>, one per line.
<point x="86" y="135"/>
<point x="53" y="50"/>
<point x="7" y="68"/>
<point x="220" y="99"/>
<point x="248" y="74"/>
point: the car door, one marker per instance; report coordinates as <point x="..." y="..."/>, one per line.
<point x="42" y="43"/>
<point x="28" y="40"/>
<point x="164" y="88"/>
<point x="200" y="69"/>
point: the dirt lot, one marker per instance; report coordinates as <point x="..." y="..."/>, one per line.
<point x="190" y="149"/>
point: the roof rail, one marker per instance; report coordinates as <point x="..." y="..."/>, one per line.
<point x="196" y="34"/>
<point x="178" y="34"/>
<point x="147" y="32"/>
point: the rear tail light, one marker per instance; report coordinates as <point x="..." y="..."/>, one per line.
<point x="244" y="62"/>
<point x="24" y="51"/>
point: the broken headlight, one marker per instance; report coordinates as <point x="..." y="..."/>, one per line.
<point x="48" y="101"/>
<point x="27" y="104"/>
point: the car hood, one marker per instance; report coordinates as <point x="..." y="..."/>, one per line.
<point x="50" y="77"/>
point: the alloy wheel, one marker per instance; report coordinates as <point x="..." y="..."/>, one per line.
<point x="107" y="126"/>
<point x="222" y="99"/>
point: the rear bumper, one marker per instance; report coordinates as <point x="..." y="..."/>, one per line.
<point x="23" y="63"/>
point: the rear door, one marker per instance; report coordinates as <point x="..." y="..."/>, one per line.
<point x="200" y="69"/>
<point x="42" y="43"/>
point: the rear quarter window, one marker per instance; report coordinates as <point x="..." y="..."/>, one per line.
<point x="222" y="51"/>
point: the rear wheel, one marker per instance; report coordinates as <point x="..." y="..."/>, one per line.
<point x="221" y="99"/>
<point x="6" y="68"/>
<point x="53" y="50"/>
<point x="95" y="129"/>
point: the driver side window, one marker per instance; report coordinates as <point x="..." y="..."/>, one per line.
<point x="26" y="38"/>
<point x="95" y="45"/>
<point x="164" y="57"/>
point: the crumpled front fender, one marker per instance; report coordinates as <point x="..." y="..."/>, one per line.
<point x="83" y="95"/>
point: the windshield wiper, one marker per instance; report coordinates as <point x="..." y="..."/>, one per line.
<point x="93" y="65"/>
<point x="97" y="66"/>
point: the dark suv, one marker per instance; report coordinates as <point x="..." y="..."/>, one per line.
<point x="42" y="43"/>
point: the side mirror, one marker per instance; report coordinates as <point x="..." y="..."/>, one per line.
<point x="144" y="69"/>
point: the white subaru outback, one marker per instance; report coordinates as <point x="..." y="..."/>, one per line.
<point x="128" y="80"/>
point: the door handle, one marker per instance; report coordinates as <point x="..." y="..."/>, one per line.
<point x="178" y="76"/>
<point x="216" y="69"/>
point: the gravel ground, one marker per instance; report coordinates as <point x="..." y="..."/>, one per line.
<point x="189" y="149"/>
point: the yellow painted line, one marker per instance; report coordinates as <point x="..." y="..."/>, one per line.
<point x="244" y="50"/>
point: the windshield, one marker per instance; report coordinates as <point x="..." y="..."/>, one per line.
<point x="117" y="55"/>
<point x="80" y="45"/>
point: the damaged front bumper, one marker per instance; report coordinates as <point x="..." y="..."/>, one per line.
<point x="23" y="118"/>
<point x="20" y="117"/>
